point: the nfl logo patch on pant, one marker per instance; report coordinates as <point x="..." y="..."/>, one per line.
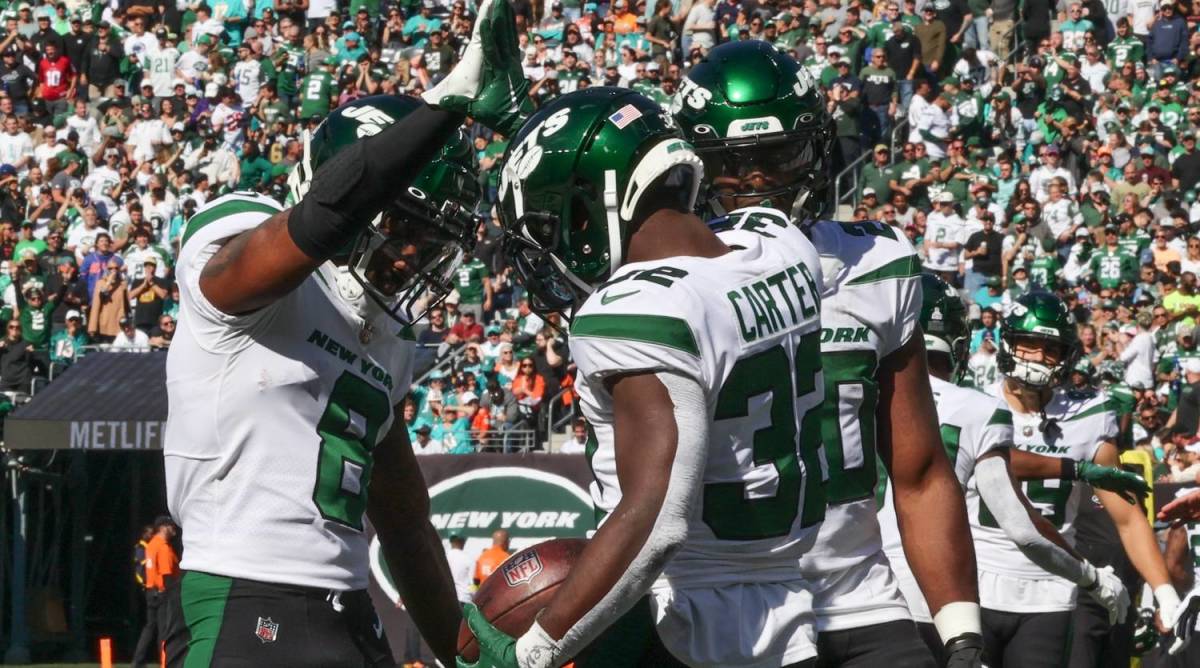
<point x="267" y="630"/>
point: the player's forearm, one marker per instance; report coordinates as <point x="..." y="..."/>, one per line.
<point x="1030" y="532"/>
<point x="352" y="187"/>
<point x="1140" y="545"/>
<point x="1177" y="556"/>
<point x="609" y="556"/>
<point x="1030" y="466"/>
<point x="937" y="545"/>
<point x="422" y="576"/>
<point x="661" y="444"/>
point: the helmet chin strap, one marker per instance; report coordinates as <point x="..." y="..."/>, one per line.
<point x="352" y="294"/>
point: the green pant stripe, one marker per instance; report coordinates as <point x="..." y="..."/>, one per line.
<point x="204" y="598"/>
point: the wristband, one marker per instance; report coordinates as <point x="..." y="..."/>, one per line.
<point x="957" y="618"/>
<point x="1070" y="470"/>
<point x="1168" y="603"/>
<point x="536" y="649"/>
<point x="1089" y="580"/>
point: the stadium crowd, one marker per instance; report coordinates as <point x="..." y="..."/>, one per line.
<point x="1016" y="144"/>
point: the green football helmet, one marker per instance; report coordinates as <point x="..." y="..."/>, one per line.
<point x="405" y="261"/>
<point x="758" y="120"/>
<point x="578" y="177"/>
<point x="944" y="320"/>
<point x="1037" y="316"/>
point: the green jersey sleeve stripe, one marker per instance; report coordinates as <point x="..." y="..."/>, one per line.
<point x="1000" y="417"/>
<point x="1102" y="407"/>
<point x="235" y="206"/>
<point x="658" y="329"/>
<point x="905" y="267"/>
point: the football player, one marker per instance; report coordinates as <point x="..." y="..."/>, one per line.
<point x="1182" y="554"/>
<point x="977" y="434"/>
<point x="759" y="123"/>
<point x="288" y="360"/>
<point x="700" y="373"/>
<point x="1027" y="610"/>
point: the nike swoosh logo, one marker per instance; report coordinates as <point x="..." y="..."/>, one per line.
<point x="607" y="299"/>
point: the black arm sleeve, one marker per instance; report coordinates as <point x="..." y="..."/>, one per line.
<point x="357" y="183"/>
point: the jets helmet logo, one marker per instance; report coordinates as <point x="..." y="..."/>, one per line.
<point x="371" y="121"/>
<point x="267" y="630"/>
<point x="521" y="568"/>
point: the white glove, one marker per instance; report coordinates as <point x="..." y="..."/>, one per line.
<point x="1187" y="622"/>
<point x="1168" y="604"/>
<point x="1107" y="590"/>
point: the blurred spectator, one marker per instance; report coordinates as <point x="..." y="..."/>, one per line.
<point x="423" y="444"/>
<point x="66" y="345"/>
<point x="491" y="558"/>
<point x="162" y="335"/>
<point x="452" y="432"/>
<point x="529" y="388"/>
<point x="129" y="337"/>
<point x="16" y="359"/>
<point x="502" y="410"/>
<point x="1186" y="417"/>
<point x="461" y="566"/>
<point x="578" y="443"/>
<point x="109" y="311"/>
<point x="466" y="329"/>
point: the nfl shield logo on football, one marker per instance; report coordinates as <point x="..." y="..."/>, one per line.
<point x="267" y="630"/>
<point x="521" y="568"/>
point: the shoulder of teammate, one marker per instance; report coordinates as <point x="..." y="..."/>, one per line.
<point x="879" y="265"/>
<point x="863" y="252"/>
<point x="985" y="421"/>
<point x="224" y="217"/>
<point x="643" y="320"/>
<point x="753" y="224"/>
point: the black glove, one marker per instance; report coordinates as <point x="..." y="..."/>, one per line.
<point x="965" y="651"/>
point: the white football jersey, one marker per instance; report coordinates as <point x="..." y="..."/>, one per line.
<point x="745" y="326"/>
<point x="1193" y="535"/>
<point x="972" y="424"/>
<point x="1009" y="581"/>
<point x="871" y="302"/>
<point x="160" y="70"/>
<point x="942" y="228"/>
<point x="273" y="416"/>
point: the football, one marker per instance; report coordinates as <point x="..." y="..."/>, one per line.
<point x="523" y="585"/>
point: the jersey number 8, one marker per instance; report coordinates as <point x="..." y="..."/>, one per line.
<point x="349" y="430"/>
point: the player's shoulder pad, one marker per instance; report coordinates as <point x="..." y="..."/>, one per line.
<point x="752" y="224"/>
<point x="645" y="303"/>
<point x="983" y="408"/>
<point x="226" y="216"/>
<point x="1078" y="405"/>
<point x="863" y="252"/>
